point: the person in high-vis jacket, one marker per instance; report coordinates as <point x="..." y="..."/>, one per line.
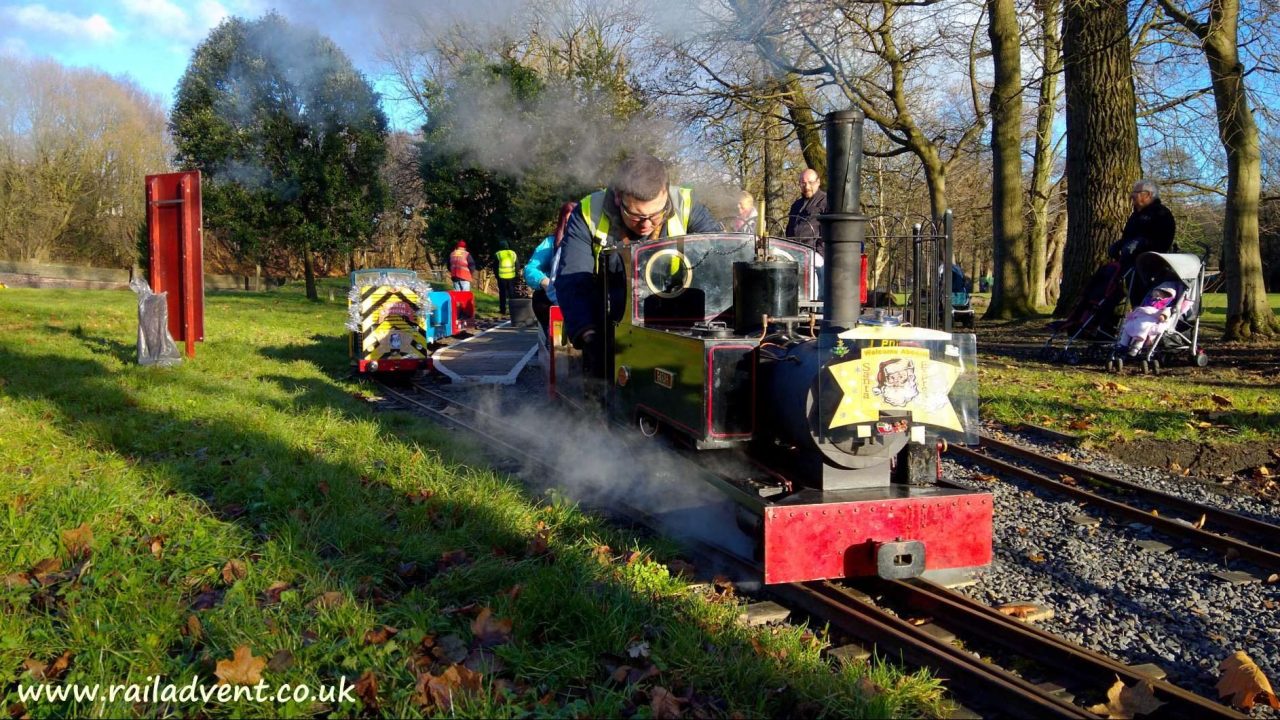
<point x="506" y="259"/>
<point x="640" y="203"/>
<point x="461" y="266"/>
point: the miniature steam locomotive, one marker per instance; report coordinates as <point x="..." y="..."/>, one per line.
<point x="847" y="412"/>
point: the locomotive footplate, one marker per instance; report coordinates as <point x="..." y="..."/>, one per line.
<point x="892" y="531"/>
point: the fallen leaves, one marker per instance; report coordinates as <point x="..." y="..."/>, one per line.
<point x="437" y="691"/>
<point x="78" y="541"/>
<point x="155" y="543"/>
<point x="271" y="596"/>
<point x="985" y="477"/>
<point x="282" y="660"/>
<point x="366" y="688"/>
<point x="540" y="543"/>
<point x="380" y="635"/>
<point x="242" y="669"/>
<point x="1125" y="701"/>
<point x="1244" y="682"/>
<point x="489" y="630"/>
<point x="330" y="599"/>
<point x="45" y="671"/>
<point x="664" y="704"/>
<point x="1220" y="401"/>
<point x="1018" y="610"/>
<point x="234" y="570"/>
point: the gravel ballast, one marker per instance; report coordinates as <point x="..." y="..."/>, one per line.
<point x="1111" y="595"/>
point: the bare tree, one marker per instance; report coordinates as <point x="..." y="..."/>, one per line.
<point x="75" y="146"/>
<point x="1013" y="294"/>
<point x="1044" y="273"/>
<point x="885" y="57"/>
<point x="1249" y="314"/>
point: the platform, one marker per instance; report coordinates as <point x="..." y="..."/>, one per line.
<point x="493" y="357"/>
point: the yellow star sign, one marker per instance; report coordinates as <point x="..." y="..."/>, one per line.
<point x="895" y="378"/>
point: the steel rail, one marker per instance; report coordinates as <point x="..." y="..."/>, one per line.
<point x="895" y="637"/>
<point x="1261" y="556"/>
<point x="1226" y="520"/>
<point x="951" y="608"/>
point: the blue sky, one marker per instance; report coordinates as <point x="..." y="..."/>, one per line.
<point x="151" y="40"/>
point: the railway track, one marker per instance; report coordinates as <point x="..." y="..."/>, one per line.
<point x="855" y="612"/>
<point x="1206" y="525"/>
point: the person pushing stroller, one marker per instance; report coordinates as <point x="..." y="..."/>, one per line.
<point x="1150" y="228"/>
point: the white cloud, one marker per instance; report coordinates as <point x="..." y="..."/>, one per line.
<point x="37" y="17"/>
<point x="210" y="13"/>
<point x="184" y="21"/>
<point x="14" y="47"/>
<point x="161" y="15"/>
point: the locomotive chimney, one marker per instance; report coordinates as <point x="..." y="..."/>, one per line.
<point x="843" y="227"/>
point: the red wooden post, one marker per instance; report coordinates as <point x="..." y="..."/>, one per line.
<point x="176" y="265"/>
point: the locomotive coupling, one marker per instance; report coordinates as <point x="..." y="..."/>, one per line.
<point x="900" y="559"/>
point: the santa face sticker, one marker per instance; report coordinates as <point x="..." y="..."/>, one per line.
<point x="896" y="382"/>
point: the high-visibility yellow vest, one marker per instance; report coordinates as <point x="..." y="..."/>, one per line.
<point x="599" y="224"/>
<point x="506" y="264"/>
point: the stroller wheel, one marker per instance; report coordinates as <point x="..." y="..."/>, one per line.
<point x="1049" y="354"/>
<point x="1071" y="357"/>
<point x="1119" y="365"/>
<point x="1155" y="366"/>
<point x="1202" y="360"/>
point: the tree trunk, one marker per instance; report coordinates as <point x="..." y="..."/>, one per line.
<point x="1102" y="136"/>
<point x="1249" y="314"/>
<point x="1011" y="295"/>
<point x="808" y="129"/>
<point x="1042" y="157"/>
<point x="309" y="271"/>
<point x="1055" y="243"/>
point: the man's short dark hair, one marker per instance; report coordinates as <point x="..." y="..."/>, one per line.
<point x="641" y="177"/>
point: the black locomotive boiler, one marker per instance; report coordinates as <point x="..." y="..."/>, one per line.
<point x="847" y="411"/>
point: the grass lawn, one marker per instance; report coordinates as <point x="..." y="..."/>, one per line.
<point x="1215" y="310"/>
<point x="245" y="515"/>
<point x="1226" y="402"/>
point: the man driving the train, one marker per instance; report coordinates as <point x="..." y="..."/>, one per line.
<point x="640" y="203"/>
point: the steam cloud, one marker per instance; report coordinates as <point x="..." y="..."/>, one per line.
<point x="602" y="467"/>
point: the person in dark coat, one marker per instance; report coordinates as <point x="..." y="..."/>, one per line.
<point x="802" y="221"/>
<point x="640" y="203"/>
<point x="1150" y="228"/>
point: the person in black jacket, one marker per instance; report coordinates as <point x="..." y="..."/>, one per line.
<point x="1150" y="228"/>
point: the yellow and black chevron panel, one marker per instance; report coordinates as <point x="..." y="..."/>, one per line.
<point x="392" y="324"/>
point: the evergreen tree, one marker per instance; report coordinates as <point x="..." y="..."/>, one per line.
<point x="289" y="136"/>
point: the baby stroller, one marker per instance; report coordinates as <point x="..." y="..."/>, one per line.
<point x="961" y="310"/>
<point x="1092" y="322"/>
<point x="1165" y="321"/>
